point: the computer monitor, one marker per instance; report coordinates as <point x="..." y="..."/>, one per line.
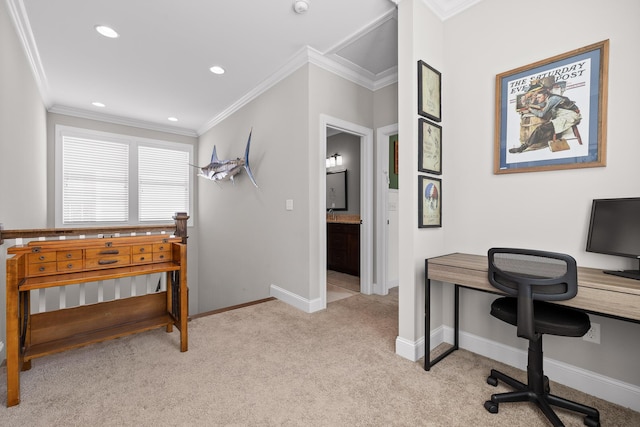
<point x="614" y="229"/>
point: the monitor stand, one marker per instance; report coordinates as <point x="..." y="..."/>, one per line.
<point x="629" y="274"/>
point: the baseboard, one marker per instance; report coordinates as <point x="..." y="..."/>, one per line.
<point x="304" y="304"/>
<point x="609" y="389"/>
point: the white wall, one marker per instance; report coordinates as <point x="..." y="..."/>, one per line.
<point x="23" y="147"/>
<point x="248" y="241"/>
<point x="546" y="210"/>
<point x="420" y="37"/>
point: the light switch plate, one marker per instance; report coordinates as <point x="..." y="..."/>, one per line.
<point x="289" y="204"/>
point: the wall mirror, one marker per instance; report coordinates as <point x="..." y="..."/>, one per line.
<point x="337" y="190"/>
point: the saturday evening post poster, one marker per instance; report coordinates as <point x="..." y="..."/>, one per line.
<point x="548" y="114"/>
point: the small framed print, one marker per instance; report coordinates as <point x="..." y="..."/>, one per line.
<point x="429" y="202"/>
<point x="429" y="89"/>
<point x="429" y="147"/>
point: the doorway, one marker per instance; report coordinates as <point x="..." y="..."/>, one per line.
<point x="386" y="214"/>
<point x="343" y="214"/>
<point x="365" y="136"/>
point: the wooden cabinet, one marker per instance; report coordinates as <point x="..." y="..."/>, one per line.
<point x="343" y="248"/>
<point x="44" y="264"/>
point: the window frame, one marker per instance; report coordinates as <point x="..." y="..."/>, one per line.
<point x="133" y="142"/>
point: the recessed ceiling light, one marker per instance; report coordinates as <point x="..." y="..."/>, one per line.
<point x="301" y="6"/>
<point x="216" y="69"/>
<point x="98" y="104"/>
<point x="107" y="31"/>
<point x="172" y="119"/>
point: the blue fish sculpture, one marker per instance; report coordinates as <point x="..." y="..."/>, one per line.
<point x="225" y="170"/>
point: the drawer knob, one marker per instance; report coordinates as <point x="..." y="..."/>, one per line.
<point x="69" y="265"/>
<point x="107" y="261"/>
<point x="41" y="258"/>
<point x="141" y="258"/>
<point x="162" y="248"/>
<point x="141" y="249"/>
<point x="161" y="256"/>
<point x="42" y="268"/>
<point x="69" y="255"/>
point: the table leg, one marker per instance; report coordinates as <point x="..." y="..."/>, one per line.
<point x="428" y="363"/>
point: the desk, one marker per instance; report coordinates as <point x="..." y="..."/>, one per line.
<point x="598" y="293"/>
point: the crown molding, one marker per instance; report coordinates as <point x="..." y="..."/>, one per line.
<point x="23" y="29"/>
<point x="118" y="120"/>
<point x="445" y="9"/>
<point x="307" y="55"/>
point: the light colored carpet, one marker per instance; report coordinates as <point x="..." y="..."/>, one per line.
<point x="272" y="365"/>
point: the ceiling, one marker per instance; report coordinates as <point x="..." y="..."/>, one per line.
<point x="159" y="65"/>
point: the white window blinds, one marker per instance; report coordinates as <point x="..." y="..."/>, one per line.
<point x="104" y="178"/>
<point x="95" y="180"/>
<point x="163" y="183"/>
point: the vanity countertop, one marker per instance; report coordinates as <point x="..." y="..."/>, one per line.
<point x="343" y="218"/>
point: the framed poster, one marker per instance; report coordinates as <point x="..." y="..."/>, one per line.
<point x="429" y="202"/>
<point x="429" y="147"/>
<point x="429" y="89"/>
<point x="552" y="114"/>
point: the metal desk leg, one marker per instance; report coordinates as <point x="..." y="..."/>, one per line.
<point x="428" y="363"/>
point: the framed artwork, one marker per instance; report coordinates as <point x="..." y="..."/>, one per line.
<point x="429" y="147"/>
<point x="395" y="157"/>
<point x="429" y="202"/>
<point x="429" y="89"/>
<point x="337" y="191"/>
<point x="552" y="114"/>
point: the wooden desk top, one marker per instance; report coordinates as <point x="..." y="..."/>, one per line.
<point x="598" y="292"/>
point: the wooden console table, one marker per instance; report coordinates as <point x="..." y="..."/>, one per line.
<point x="598" y="293"/>
<point x="45" y="264"/>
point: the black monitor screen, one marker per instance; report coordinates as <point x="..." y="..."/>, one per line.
<point x="615" y="227"/>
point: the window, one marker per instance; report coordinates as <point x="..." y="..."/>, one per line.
<point x="109" y="179"/>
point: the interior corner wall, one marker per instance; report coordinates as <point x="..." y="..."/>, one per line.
<point x="248" y="240"/>
<point x="23" y="147"/>
<point x="420" y="37"/>
<point x="544" y="210"/>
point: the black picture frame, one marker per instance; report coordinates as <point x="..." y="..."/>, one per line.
<point x="429" y="147"/>
<point x="429" y="92"/>
<point x="429" y="202"/>
<point x="337" y="191"/>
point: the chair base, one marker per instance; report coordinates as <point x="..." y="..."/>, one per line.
<point x="542" y="398"/>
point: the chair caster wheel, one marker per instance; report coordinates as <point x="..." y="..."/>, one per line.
<point x="491" y="406"/>
<point x="492" y="381"/>
<point x="590" y="422"/>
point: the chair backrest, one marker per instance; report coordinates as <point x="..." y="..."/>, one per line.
<point x="532" y="275"/>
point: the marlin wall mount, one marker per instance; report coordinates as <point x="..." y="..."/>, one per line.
<point x="226" y="170"/>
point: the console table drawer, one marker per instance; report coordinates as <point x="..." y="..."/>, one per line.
<point x="142" y="249"/>
<point x="161" y="247"/>
<point x="109" y="252"/>
<point x="67" y="255"/>
<point x="42" y="257"/>
<point x="42" y="268"/>
<point x="69" y="265"/>
<point x="161" y="256"/>
<point x="142" y="258"/>
<point x="107" y="261"/>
